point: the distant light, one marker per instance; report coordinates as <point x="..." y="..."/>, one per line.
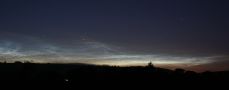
<point x="66" y="80"/>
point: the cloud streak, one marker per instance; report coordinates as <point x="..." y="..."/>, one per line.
<point x="93" y="52"/>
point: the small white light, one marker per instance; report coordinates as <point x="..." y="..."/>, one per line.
<point x="66" y="80"/>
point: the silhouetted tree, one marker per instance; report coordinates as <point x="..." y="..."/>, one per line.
<point x="27" y="61"/>
<point x="18" y="62"/>
<point x="150" y="64"/>
<point x="179" y="71"/>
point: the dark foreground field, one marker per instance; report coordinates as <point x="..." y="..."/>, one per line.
<point x="66" y="76"/>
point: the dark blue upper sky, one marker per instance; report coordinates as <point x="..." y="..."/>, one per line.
<point x="146" y="26"/>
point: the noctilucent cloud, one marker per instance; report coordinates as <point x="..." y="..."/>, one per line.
<point x="190" y="34"/>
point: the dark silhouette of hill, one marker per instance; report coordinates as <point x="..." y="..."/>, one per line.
<point x="77" y="75"/>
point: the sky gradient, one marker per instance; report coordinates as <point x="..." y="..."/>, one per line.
<point x="191" y="34"/>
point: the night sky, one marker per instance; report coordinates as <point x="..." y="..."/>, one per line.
<point x="190" y="34"/>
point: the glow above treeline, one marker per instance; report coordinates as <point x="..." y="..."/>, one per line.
<point x="90" y="52"/>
